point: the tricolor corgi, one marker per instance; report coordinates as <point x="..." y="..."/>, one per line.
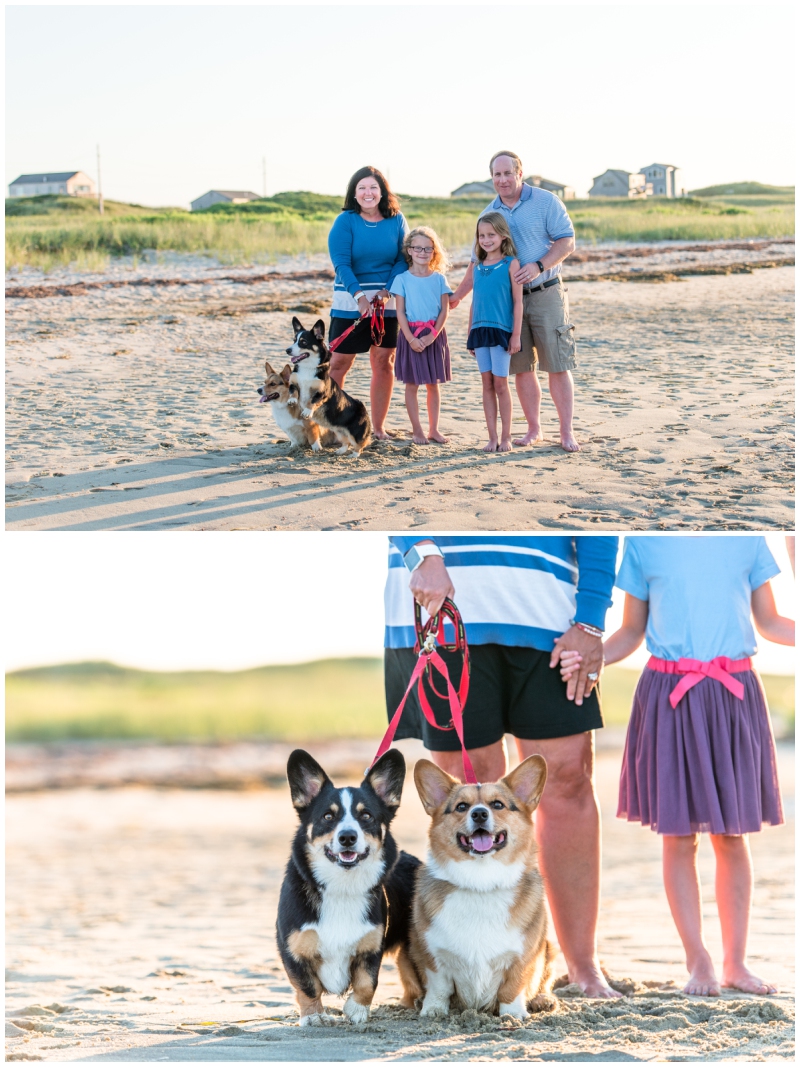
<point x="346" y="894"/>
<point x="479" y="926"/>
<point x="321" y="398"/>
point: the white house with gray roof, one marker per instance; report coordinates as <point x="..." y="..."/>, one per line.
<point x="664" y="179"/>
<point x="53" y="183"/>
<point x="223" y="196"/>
<point x="620" y="183"/>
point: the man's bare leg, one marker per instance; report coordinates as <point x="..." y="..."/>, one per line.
<point x="563" y="394"/>
<point x="568" y="835"/>
<point x="529" y="392"/>
<point x="488" y="762"/>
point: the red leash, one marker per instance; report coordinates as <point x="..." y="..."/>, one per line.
<point x="376" y="327"/>
<point x="428" y="660"/>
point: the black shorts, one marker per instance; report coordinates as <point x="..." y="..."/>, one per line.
<point x="360" y="340"/>
<point x="512" y="690"/>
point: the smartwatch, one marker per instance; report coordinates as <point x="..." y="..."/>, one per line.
<point x="357" y="295"/>
<point x="540" y="265"/>
<point x="417" y="553"/>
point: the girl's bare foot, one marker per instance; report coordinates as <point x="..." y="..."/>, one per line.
<point x="532" y="437"/>
<point x="743" y="979"/>
<point x="569" y="444"/>
<point x="490" y="447"/>
<point x="702" y="980"/>
<point x="434" y="435"/>
<point x="384" y="435"/>
<point x="505" y="445"/>
<point x="419" y="439"/>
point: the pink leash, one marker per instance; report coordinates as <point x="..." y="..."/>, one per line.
<point x="695" y="670"/>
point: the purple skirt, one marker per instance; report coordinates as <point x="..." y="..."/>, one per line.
<point x="707" y="765"/>
<point x="426" y="367"/>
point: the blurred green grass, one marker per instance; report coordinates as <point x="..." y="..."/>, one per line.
<point x="52" y="231"/>
<point x="326" y="699"/>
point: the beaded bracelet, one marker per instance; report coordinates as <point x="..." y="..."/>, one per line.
<point x="593" y="631"/>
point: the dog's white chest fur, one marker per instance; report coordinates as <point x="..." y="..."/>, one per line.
<point x="473" y="942"/>
<point x="341" y="926"/>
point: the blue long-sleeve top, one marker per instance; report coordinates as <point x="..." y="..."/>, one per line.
<point x="519" y="590"/>
<point x="366" y="256"/>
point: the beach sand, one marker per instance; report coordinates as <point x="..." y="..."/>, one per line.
<point x="135" y="407"/>
<point x="140" y="927"/>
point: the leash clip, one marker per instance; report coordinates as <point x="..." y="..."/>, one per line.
<point x="429" y="644"/>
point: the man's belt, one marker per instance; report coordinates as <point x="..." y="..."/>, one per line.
<point x="528" y="289"/>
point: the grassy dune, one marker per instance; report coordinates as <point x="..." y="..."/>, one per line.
<point x="336" y="698"/>
<point x="48" y="231"/>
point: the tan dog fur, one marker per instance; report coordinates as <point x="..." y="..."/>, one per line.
<point x="286" y="410"/>
<point x="479" y="926"/>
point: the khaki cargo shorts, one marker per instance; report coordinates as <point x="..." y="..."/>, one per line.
<point x="548" y="337"/>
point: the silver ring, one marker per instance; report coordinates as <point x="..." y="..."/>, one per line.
<point x="593" y="676"/>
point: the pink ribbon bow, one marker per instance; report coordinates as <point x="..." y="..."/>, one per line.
<point x="695" y="670"/>
<point x="418" y="328"/>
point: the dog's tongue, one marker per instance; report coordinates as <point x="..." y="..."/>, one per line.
<point x="348" y="857"/>
<point x="482" y="841"/>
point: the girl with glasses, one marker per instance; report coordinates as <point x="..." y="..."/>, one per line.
<point x="423" y="356"/>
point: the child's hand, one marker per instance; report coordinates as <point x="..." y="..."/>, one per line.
<point x="428" y="339"/>
<point x="454" y="303"/>
<point x="569" y="664"/>
<point x="417" y="344"/>
<point x="516" y="344"/>
<point x="471" y="352"/>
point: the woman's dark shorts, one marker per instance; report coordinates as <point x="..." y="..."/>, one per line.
<point x="512" y="690"/>
<point x="360" y="340"/>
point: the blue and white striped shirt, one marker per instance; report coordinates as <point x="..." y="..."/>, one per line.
<point x="522" y="590"/>
<point x="366" y="256"/>
<point x="536" y="220"/>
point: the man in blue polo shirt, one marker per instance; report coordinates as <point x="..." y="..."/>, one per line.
<point x="544" y="236"/>
<point x="523" y="599"/>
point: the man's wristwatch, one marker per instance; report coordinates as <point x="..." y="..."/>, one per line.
<point x="417" y="553"/>
<point x="357" y="296"/>
<point x="540" y="265"/>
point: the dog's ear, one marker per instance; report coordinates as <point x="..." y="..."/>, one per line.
<point x="297" y="325"/>
<point x="268" y="367"/>
<point x="433" y="785"/>
<point x="387" y="776"/>
<point x="286" y="373"/>
<point x="306" y="778"/>
<point x="319" y="330"/>
<point x="527" y="780"/>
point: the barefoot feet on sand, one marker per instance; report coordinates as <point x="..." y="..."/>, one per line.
<point x="743" y="979"/>
<point x="532" y="437"/>
<point x="593" y="983"/>
<point x="419" y="439"/>
<point x="702" y="979"/>
<point x="384" y="435"/>
<point x="490" y="446"/>
<point x="569" y="444"/>
<point x="438" y="438"/>
<point x="505" y="445"/>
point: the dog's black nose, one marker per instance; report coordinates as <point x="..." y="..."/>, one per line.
<point x="480" y="815"/>
<point x="288" y="351"/>
<point x="260" y="390"/>
<point x="347" y="838"/>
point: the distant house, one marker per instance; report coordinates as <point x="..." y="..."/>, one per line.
<point x="223" y="196"/>
<point x="621" y="183"/>
<point x="487" y="189"/>
<point x="53" y="183"/>
<point x="663" y="177"/>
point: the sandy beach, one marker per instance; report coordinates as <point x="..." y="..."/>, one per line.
<point x="131" y="404"/>
<point x="140" y="927"/>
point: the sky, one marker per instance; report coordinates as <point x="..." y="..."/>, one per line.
<point x="153" y="601"/>
<point x="184" y="98"/>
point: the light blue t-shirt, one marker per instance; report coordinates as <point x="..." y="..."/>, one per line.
<point x="698" y="590"/>
<point x="423" y="296"/>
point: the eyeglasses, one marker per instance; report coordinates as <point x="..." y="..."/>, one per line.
<point x="420" y="248"/>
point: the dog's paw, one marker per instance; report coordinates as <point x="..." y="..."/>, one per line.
<point x="341" y="451"/>
<point x="434" y="1010"/>
<point x="355" y="1012"/>
<point x="513" y="1011"/>
<point x="311" y="1020"/>
<point x="543" y="1002"/>
<point x="316" y="447"/>
<point x="292" y="400"/>
<point x="306" y="413"/>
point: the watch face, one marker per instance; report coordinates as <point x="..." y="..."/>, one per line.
<point x="412" y="558"/>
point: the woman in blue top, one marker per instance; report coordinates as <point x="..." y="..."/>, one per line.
<point x="699" y="756"/>
<point x="495" y="322"/>
<point x="366" y="249"/>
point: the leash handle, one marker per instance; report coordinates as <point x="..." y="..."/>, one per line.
<point x="428" y="660"/>
<point x="376" y="326"/>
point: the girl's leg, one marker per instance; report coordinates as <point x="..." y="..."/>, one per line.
<point x="412" y="407"/>
<point x="380" y="389"/>
<point x="341" y="363"/>
<point x="734" y="885"/>
<point x="682" y="884"/>
<point x="490" y="409"/>
<point x="434" y="404"/>
<point x="504" y="403"/>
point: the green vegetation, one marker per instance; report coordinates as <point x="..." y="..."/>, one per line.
<point x="336" y="698"/>
<point x="745" y="189"/>
<point x="51" y="231"/>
